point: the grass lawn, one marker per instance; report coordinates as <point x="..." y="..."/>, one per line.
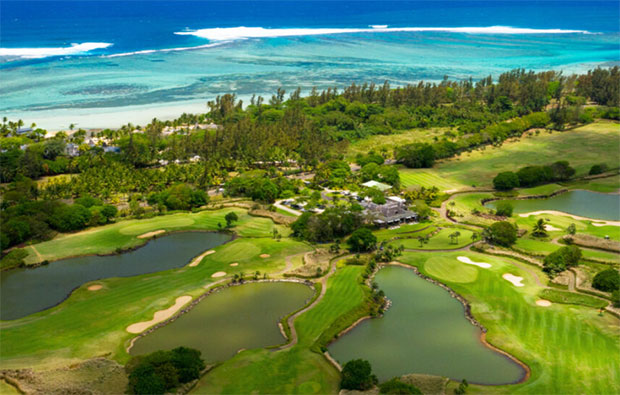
<point x="298" y="369"/>
<point x="604" y="185"/>
<point x="569" y="348"/>
<point x="565" y="297"/>
<point x="93" y="323"/>
<point x="440" y="241"/>
<point x="582" y="147"/>
<point x="392" y="141"/>
<point x="403" y="231"/>
<point x="123" y="234"/>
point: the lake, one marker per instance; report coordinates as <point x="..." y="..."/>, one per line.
<point x="25" y="291"/>
<point x="244" y="316"/>
<point x="582" y="203"/>
<point x="424" y="331"/>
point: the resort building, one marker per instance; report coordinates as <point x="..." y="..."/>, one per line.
<point x="393" y="211"/>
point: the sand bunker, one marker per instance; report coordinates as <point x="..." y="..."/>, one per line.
<point x="234" y="264"/>
<point x="151" y="234"/>
<point x="95" y="287"/>
<point x="197" y="260"/>
<point x="515" y="280"/>
<point x="468" y="261"/>
<point x="551" y="228"/>
<point x="264" y="255"/>
<point x="600" y="222"/>
<point x="160" y="315"/>
<point x="218" y="274"/>
<point x="543" y="303"/>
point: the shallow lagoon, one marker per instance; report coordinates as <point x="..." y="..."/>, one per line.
<point x="244" y="316"/>
<point x="26" y="291"/>
<point x="424" y="331"/>
<point x="582" y="203"/>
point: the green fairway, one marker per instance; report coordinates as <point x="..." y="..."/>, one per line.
<point x="449" y="269"/>
<point x="93" y="323"/>
<point x="106" y="239"/>
<point x="439" y="241"/>
<point x="568" y="347"/>
<point x="582" y="147"/>
<point x="298" y="369"/>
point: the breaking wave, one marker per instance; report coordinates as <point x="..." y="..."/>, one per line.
<point x="242" y="32"/>
<point x="36" y="53"/>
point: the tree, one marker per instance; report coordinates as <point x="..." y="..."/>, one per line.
<point x="506" y="181"/>
<point x="454" y="237"/>
<point x="539" y="229"/>
<point x="396" y="386"/>
<point x="230" y="218"/>
<point x="503" y="208"/>
<point x="357" y="375"/>
<point x="571" y="229"/>
<point x="462" y="388"/>
<point x="362" y="240"/>
<point x="417" y="155"/>
<point x="607" y="280"/>
<point x="162" y="371"/>
<point x="561" y="259"/>
<point x="598" y="169"/>
<point x="502" y="233"/>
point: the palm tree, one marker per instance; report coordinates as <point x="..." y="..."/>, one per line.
<point x="539" y="228"/>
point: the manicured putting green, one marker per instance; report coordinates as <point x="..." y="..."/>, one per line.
<point x="450" y="269"/>
<point x="239" y="250"/>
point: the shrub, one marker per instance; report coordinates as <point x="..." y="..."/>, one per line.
<point x="561" y="259"/>
<point x="607" y="280"/>
<point x="395" y="386"/>
<point x="598" y="169"/>
<point x="357" y="375"/>
<point x="162" y="371"/>
<point x="502" y="233"/>
<point x="418" y="155"/>
<point x="506" y="181"/>
<point x="503" y="209"/>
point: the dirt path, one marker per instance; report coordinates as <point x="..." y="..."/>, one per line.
<point x="291" y="320"/>
<point x="289" y="263"/>
<point x="279" y="205"/>
<point x="39" y="257"/>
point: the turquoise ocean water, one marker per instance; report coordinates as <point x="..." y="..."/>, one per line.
<point x="106" y="63"/>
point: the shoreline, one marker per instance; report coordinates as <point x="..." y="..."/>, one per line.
<point x="214" y="287"/>
<point x="468" y="316"/>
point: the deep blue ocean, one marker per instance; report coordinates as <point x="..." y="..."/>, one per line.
<point x="104" y="63"/>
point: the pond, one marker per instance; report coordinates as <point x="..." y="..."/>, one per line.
<point x="424" y="331"/>
<point x="244" y="316"/>
<point x="24" y="291"/>
<point x="582" y="203"/>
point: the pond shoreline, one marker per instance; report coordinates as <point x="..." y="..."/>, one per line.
<point x="468" y="316"/>
<point x="214" y="288"/>
<point x="233" y="235"/>
<point x="147" y="241"/>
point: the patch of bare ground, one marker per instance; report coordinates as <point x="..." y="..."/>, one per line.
<point x="151" y="234"/>
<point x="584" y="282"/>
<point x="93" y="376"/>
<point x="563" y="278"/>
<point x="312" y="262"/>
<point x="275" y="216"/>
<point x="595" y="242"/>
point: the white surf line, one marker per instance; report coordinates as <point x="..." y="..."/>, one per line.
<point x="43" y="52"/>
<point x="515" y="280"/>
<point x="468" y="261"/>
<point x="243" y="32"/>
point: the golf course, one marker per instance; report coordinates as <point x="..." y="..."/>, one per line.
<point x="369" y="241"/>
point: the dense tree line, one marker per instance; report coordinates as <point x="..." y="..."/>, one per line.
<point x="529" y="176"/>
<point x="334" y="223"/>
<point x="23" y="217"/>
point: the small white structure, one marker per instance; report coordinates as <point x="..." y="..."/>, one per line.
<point x="375" y="184"/>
